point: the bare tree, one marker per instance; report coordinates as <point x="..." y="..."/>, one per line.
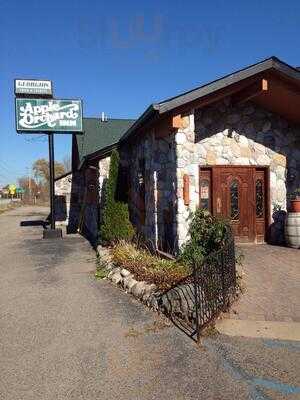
<point x="41" y="170"/>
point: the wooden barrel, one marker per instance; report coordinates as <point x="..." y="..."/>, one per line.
<point x="292" y="230"/>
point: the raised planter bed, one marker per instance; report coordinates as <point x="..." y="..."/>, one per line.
<point x="180" y="302"/>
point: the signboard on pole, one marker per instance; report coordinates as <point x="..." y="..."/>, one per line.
<point x="48" y="115"/>
<point x="33" y="87"/>
<point x="12" y="189"/>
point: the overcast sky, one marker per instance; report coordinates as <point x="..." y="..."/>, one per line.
<point x="119" y="56"/>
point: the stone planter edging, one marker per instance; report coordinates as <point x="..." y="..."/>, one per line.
<point x="147" y="293"/>
<point x="178" y="302"/>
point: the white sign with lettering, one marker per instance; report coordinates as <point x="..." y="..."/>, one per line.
<point x="31" y="86"/>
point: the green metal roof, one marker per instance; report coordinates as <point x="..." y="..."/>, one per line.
<point x="99" y="135"/>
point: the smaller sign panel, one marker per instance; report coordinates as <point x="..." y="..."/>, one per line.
<point x="33" y="87"/>
<point x="42" y="115"/>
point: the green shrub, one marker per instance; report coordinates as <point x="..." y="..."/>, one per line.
<point x="115" y="224"/>
<point x="207" y="234"/>
<point x="148" y="267"/>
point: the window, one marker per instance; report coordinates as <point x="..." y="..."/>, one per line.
<point x="204" y="194"/>
<point x="259" y="199"/>
<point x="234" y="200"/>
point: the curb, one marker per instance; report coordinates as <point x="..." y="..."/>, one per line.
<point x="260" y="329"/>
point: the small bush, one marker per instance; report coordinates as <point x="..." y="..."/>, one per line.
<point x="207" y="235"/>
<point x="116" y="224"/>
<point x="147" y="267"/>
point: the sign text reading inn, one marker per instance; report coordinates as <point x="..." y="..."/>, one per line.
<point x="41" y="115"/>
<point x="32" y="86"/>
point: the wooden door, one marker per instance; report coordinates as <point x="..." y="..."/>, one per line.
<point x="261" y="203"/>
<point x="233" y="198"/>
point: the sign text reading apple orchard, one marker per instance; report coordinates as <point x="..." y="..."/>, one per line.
<point x="42" y="115"/>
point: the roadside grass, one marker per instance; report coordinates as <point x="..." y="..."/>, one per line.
<point x="148" y="267"/>
<point x="101" y="271"/>
<point x="7" y="207"/>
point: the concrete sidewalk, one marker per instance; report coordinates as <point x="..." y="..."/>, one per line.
<point x="64" y="335"/>
<point x="260" y="329"/>
<point x="271" y="276"/>
<point x="270" y="304"/>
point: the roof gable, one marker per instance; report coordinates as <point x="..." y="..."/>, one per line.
<point x="252" y="70"/>
<point x="99" y="135"/>
<point x="270" y="64"/>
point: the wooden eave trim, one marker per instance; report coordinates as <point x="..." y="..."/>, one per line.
<point x="264" y="78"/>
<point x="217" y="96"/>
<point x="255" y="89"/>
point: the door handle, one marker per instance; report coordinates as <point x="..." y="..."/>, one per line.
<point x="219" y="205"/>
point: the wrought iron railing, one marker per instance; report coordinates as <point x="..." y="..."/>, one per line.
<point x="198" y="299"/>
<point x="214" y="284"/>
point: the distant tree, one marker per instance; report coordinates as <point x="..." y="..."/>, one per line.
<point x="25" y="182"/>
<point x="41" y="170"/>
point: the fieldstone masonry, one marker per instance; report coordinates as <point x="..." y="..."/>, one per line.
<point x="103" y="170"/>
<point x="243" y="135"/>
<point x="152" y="161"/>
<point x="103" y="175"/>
<point x="220" y="134"/>
<point x="63" y="196"/>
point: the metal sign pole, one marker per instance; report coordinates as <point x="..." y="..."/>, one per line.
<point x="51" y="170"/>
<point x="52" y="233"/>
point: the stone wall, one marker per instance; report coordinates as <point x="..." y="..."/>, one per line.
<point x="103" y="175"/>
<point x="222" y="134"/>
<point x="84" y="204"/>
<point x="103" y="170"/>
<point x="76" y="200"/>
<point x="62" y="201"/>
<point x="152" y="161"/>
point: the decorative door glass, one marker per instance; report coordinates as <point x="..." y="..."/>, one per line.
<point x="259" y="199"/>
<point x="234" y="201"/>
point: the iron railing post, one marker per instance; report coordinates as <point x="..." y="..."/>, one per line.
<point x="223" y="279"/>
<point x="195" y="274"/>
<point x="218" y="278"/>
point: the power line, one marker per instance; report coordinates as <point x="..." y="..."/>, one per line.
<point x="33" y="139"/>
<point x="7" y="173"/>
<point x="6" y="165"/>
